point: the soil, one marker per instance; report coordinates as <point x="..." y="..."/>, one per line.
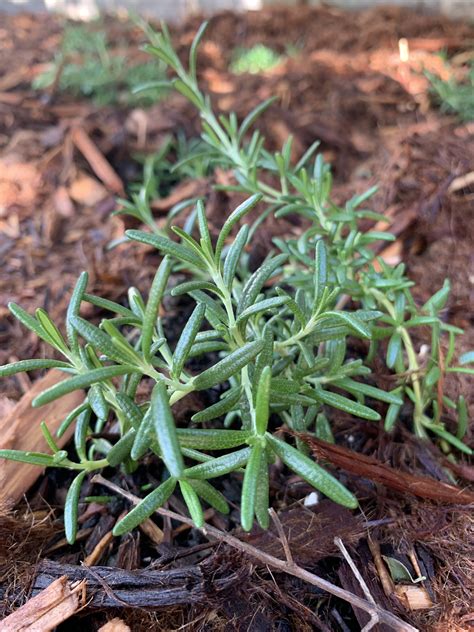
<point x="346" y="85"/>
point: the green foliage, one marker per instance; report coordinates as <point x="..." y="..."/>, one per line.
<point x="254" y="60"/>
<point x="455" y="95"/>
<point x="178" y="159"/>
<point x="86" y="68"/>
<point x="281" y="332"/>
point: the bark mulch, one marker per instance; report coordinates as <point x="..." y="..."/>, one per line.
<point x="64" y="160"/>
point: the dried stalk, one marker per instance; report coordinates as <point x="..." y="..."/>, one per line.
<point x="374" y="618"/>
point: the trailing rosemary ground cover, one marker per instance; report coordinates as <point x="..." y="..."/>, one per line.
<point x="280" y="331"/>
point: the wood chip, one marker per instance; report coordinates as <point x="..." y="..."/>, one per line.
<point x="6" y="406"/>
<point x="182" y="191"/>
<point x="413" y="597"/>
<point x="100" y="165"/>
<point x="392" y="255"/>
<point x="114" y="625"/>
<point x="152" y="530"/>
<point x="62" y="202"/>
<point x="86" y="190"/>
<point x="462" y="182"/>
<point x="99" y="549"/>
<point x="20" y="182"/>
<point x="47" y="609"/>
<point x="20" y="430"/>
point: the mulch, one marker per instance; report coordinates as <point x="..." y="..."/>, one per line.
<point x="345" y="85"/>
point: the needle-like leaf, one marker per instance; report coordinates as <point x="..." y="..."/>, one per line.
<point x="165" y="430"/>
<point x="146" y="507"/>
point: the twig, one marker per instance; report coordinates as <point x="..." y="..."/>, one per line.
<point x="340" y="621"/>
<point x="281" y="533"/>
<point x="385" y="579"/>
<point x="99" y="549"/>
<point x="374" y="617"/>
<point x="107" y="589"/>
<point x="282" y="565"/>
<point x="340" y="544"/>
<point x="461" y="182"/>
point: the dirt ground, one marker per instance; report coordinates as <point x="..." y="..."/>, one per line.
<point x="347" y="86"/>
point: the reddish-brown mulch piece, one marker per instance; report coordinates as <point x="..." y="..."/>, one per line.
<point x="369" y="467"/>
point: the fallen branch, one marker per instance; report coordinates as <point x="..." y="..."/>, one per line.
<point x="282" y="565"/>
<point x="117" y="588"/>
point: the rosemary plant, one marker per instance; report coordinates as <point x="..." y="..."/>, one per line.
<point x="281" y="353"/>
<point x="354" y="268"/>
<point x="280" y="331"/>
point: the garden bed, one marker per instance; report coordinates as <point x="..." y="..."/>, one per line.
<point x="355" y="82"/>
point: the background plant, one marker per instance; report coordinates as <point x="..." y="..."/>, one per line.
<point x="177" y="159"/>
<point x="281" y="333"/>
<point x="260" y="58"/>
<point x="253" y="60"/>
<point x="455" y="95"/>
<point x="84" y="66"/>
